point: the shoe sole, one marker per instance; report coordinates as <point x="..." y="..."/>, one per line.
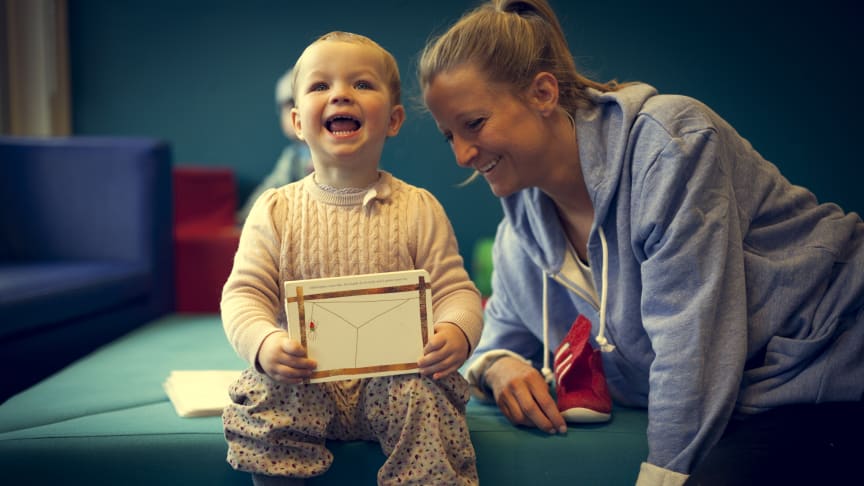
<point x="584" y="416"/>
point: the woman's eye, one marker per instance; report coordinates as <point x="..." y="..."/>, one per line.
<point x="475" y="124"/>
<point x="448" y="137"/>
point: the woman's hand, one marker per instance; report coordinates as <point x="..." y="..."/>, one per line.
<point x="523" y="395"/>
<point x="445" y="352"/>
<point x="284" y="359"/>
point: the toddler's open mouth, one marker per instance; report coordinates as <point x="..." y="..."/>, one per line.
<point x="342" y="124"/>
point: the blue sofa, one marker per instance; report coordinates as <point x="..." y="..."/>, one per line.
<point x="85" y="248"/>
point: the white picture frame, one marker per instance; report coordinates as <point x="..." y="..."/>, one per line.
<point x="361" y="326"/>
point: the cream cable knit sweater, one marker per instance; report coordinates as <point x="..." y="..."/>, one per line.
<point x="299" y="231"/>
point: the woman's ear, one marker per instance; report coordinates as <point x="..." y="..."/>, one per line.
<point x="543" y="92"/>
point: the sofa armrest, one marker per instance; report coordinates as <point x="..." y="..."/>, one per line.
<point x="88" y="198"/>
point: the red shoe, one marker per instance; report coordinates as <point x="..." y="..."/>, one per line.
<point x="581" y="390"/>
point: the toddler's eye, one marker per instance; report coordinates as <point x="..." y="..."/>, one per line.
<point x="364" y="85"/>
<point x="318" y="87"/>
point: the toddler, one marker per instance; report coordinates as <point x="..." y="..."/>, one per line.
<point x="348" y="217"/>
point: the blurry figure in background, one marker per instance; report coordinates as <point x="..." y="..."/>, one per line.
<point x="295" y="161"/>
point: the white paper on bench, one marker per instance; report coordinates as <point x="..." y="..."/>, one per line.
<point x="199" y="393"/>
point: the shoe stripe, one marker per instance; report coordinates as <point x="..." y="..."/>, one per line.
<point x="563" y="349"/>
<point x="565" y="359"/>
<point x="563" y="366"/>
<point x="563" y="371"/>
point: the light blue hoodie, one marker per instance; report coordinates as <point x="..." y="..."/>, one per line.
<point x="723" y="287"/>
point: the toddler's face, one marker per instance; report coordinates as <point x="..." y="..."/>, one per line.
<point x="343" y="111"/>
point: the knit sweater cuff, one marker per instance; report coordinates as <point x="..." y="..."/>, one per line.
<point x="261" y="333"/>
<point x="471" y="323"/>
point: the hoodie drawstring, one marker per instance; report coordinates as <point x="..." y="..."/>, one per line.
<point x="601" y="333"/>
<point x="547" y="372"/>
<point x="604" y="285"/>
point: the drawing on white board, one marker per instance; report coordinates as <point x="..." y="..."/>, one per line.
<point x="361" y="326"/>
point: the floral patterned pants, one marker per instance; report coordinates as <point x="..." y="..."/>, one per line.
<point x="280" y="430"/>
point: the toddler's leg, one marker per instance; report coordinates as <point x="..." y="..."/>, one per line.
<point x="277" y="430"/>
<point x="421" y="426"/>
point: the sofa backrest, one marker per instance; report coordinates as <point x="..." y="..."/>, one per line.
<point x="83" y="197"/>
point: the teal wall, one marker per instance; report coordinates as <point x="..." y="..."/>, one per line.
<point x="201" y="74"/>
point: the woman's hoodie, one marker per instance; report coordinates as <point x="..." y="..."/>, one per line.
<point x="722" y="287"/>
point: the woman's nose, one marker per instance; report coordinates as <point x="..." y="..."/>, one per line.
<point x="464" y="152"/>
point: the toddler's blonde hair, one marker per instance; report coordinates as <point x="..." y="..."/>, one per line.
<point x="390" y="69"/>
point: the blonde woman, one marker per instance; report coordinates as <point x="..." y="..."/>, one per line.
<point x="722" y="298"/>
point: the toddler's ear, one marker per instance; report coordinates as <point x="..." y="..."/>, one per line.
<point x="287" y="124"/>
<point x="295" y="123"/>
<point x="397" y="117"/>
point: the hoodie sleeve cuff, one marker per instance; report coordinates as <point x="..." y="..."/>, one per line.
<point x="651" y="475"/>
<point x="477" y="371"/>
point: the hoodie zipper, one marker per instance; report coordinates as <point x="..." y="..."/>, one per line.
<point x="572" y="287"/>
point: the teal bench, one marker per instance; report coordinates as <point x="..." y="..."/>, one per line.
<point x="106" y="420"/>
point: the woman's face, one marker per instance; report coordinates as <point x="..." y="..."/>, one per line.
<point x="489" y="128"/>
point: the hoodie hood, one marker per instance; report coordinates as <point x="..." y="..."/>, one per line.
<point x="604" y="134"/>
<point x="533" y="216"/>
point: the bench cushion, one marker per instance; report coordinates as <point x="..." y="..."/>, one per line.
<point x="106" y="420"/>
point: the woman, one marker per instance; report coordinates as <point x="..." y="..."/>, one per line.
<point x="725" y="300"/>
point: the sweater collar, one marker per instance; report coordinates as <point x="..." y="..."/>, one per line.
<point x="380" y="191"/>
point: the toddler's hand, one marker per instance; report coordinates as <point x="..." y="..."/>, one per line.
<point x="284" y="359"/>
<point x="445" y="352"/>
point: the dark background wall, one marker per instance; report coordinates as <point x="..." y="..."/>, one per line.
<point x="201" y="74"/>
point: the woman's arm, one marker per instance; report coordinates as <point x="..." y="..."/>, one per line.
<point x="693" y="306"/>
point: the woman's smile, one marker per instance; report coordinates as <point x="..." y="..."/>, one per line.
<point x="488" y="167"/>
